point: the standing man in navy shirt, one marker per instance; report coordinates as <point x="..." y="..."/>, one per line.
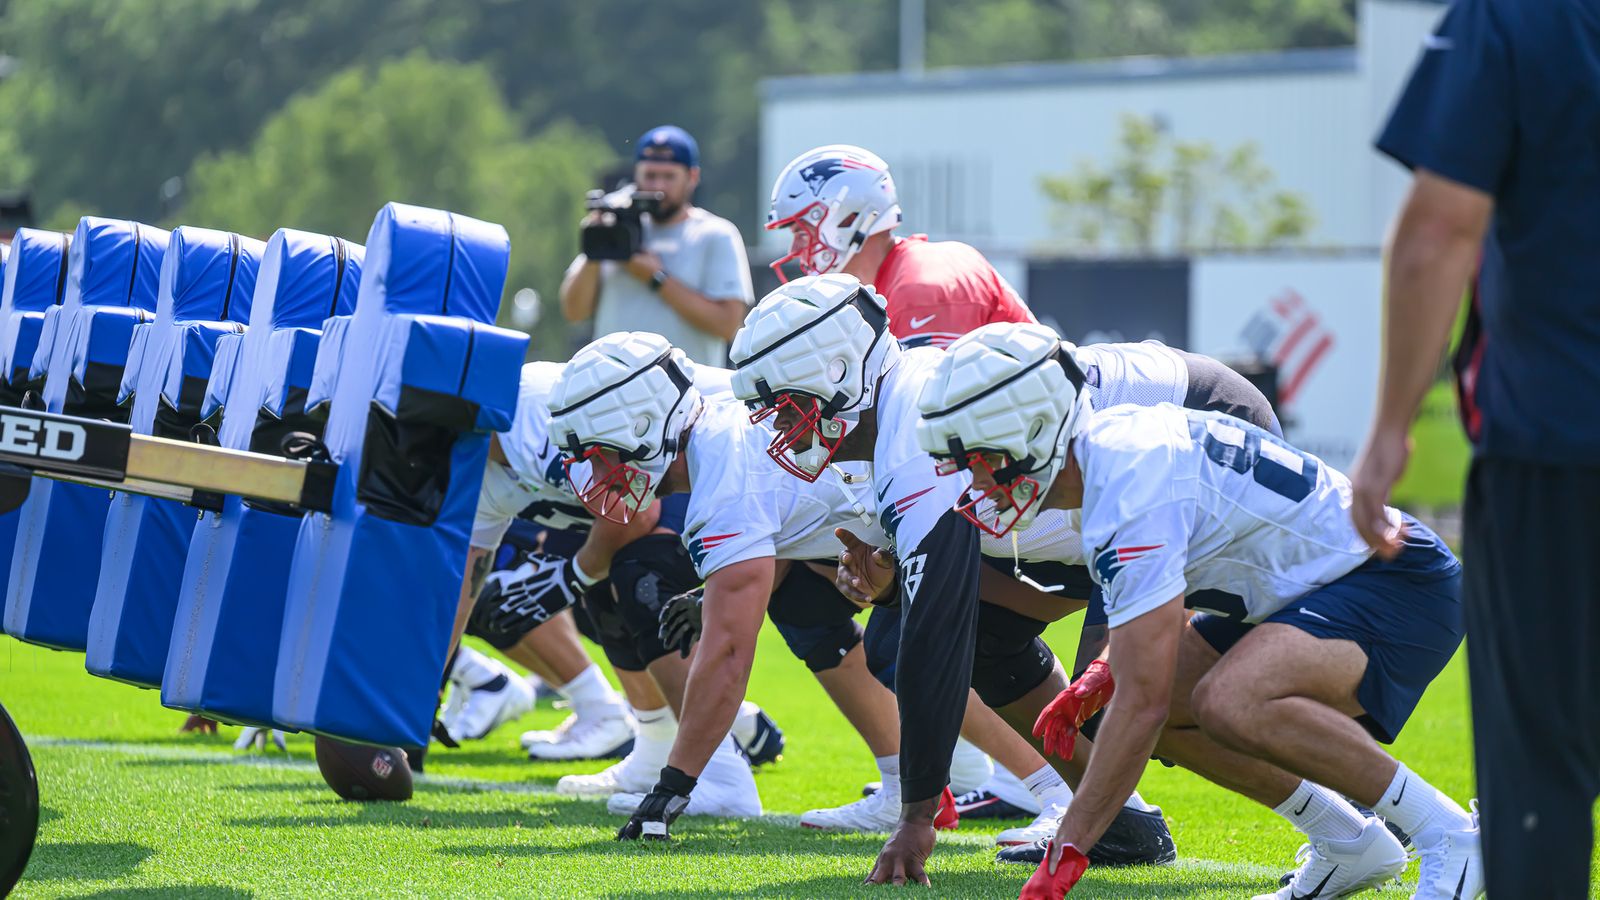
<point x="1501" y="126"/>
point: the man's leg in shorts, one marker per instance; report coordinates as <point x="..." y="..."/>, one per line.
<point x="1290" y="692"/>
<point x="818" y="625"/>
<point x="1533" y="610"/>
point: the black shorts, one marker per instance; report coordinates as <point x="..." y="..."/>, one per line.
<point x="1217" y="388"/>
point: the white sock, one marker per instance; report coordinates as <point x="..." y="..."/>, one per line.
<point x="1320" y="813"/>
<point x="1420" y="809"/>
<point x="657" y="726"/>
<point x="1048" y="788"/>
<point x="889" y="774"/>
<point x="1139" y="803"/>
<point x="590" y="693"/>
<point x="744" y="724"/>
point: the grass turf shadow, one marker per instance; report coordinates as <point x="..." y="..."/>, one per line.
<point x="170" y="892"/>
<point x="1000" y="883"/>
<point x="530" y="811"/>
<point x="84" y="860"/>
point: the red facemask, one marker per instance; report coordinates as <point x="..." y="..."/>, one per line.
<point x="806" y="247"/>
<point x="615" y="492"/>
<point x="808" y="464"/>
<point x="996" y="510"/>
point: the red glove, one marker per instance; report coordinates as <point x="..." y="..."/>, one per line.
<point x="947" y="816"/>
<point x="1044" y="886"/>
<point x="1059" y="722"/>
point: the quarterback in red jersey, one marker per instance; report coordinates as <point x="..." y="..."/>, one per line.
<point x="840" y="206"/>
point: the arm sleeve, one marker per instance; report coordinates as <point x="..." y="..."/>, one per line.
<point x="727" y="272"/>
<point x="1456" y="116"/>
<point x="939" y="620"/>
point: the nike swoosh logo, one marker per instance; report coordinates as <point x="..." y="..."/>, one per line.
<point x="795" y="194"/>
<point x="1303" y="806"/>
<point x="1463" y="882"/>
<point x="1436" y="42"/>
<point x="886" y="485"/>
<point x="1402" y="795"/>
<point x="918" y="323"/>
<point x="1307" y="612"/>
<point x="1318" y="891"/>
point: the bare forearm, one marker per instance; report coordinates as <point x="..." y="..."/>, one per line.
<point x="717" y="681"/>
<point x="1432" y="253"/>
<point x="717" y="317"/>
<point x="578" y="292"/>
<point x="1124" y="742"/>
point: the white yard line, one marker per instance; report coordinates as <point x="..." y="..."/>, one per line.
<point x="284" y="761"/>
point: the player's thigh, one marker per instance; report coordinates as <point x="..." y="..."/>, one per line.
<point x="1196" y="659"/>
<point x="1276" y="660"/>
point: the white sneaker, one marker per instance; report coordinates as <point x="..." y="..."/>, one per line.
<point x="726" y="788"/>
<point x="969" y="768"/>
<point x="1451" y="868"/>
<point x="876" y="814"/>
<point x="635" y="774"/>
<point x="1330" y="869"/>
<point x="584" y="737"/>
<point x="487" y="706"/>
<point x="1043" y="826"/>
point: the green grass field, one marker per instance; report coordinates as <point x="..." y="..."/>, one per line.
<point x="133" y="809"/>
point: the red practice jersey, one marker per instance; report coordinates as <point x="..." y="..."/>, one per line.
<point x="938" y="291"/>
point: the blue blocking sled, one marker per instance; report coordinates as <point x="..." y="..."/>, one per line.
<point x="113" y="268"/>
<point x="35" y="277"/>
<point x="416" y="381"/>
<point x="230" y="606"/>
<point x="207" y="280"/>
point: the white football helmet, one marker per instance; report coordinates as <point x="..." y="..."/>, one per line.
<point x="621" y="406"/>
<point x="810" y="354"/>
<point x="1005" y="400"/>
<point x="831" y="199"/>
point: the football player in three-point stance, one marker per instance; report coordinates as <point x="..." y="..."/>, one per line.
<point x="1318" y="651"/>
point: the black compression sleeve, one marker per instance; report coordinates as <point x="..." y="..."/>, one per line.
<point x="939" y="615"/>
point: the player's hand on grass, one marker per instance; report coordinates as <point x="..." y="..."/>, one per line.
<point x="1378" y="467"/>
<point x="904" y="857"/>
<point x="680" y="621"/>
<point x="198" y="724"/>
<point x="866" y="573"/>
<point x="659" y="808"/>
<point x="1058" y="723"/>
<point x="1063" y="865"/>
<point x="255" y="738"/>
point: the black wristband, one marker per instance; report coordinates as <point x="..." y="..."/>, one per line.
<point x="676" y="781"/>
<point x="657" y="280"/>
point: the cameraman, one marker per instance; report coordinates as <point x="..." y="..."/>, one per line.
<point x="689" y="283"/>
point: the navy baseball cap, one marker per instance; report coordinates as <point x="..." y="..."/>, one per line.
<point x="668" y="143"/>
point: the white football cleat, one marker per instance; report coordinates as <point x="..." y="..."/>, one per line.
<point x="876" y="814"/>
<point x="486" y="706"/>
<point x="635" y="774"/>
<point x="1451" y="868"/>
<point x="1340" y="868"/>
<point x="584" y="737"/>
<point x="726" y="788"/>
<point x="970" y="768"/>
<point x="1044" y="825"/>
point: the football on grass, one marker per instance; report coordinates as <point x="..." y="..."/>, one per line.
<point x="364" y="772"/>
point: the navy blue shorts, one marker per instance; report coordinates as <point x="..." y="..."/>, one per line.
<point x="674" y="509"/>
<point x="1405" y="614"/>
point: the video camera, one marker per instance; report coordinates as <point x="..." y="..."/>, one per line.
<point x="619" y="232"/>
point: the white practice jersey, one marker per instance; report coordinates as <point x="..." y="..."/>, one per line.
<point x="536" y="476"/>
<point x="744" y="507"/>
<point x="1177" y="501"/>
<point x="911" y="497"/>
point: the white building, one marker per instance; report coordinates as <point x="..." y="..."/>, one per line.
<point x="968" y="148"/>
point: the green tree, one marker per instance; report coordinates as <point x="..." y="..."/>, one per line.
<point x="418" y="131"/>
<point x="1160" y="194"/>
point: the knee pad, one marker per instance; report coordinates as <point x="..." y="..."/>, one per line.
<point x="882" y="642"/>
<point x="815" y="620"/>
<point x="1009" y="659"/>
<point x="646" y="574"/>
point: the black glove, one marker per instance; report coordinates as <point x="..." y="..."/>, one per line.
<point x="680" y="621"/>
<point x="515" y="600"/>
<point x="659" y="808"/>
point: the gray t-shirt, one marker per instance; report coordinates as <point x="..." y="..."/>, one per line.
<point x="703" y="251"/>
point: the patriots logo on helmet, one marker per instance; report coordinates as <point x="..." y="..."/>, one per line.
<point x="700" y="546"/>
<point x="821" y="172"/>
<point x="1110" y="561"/>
